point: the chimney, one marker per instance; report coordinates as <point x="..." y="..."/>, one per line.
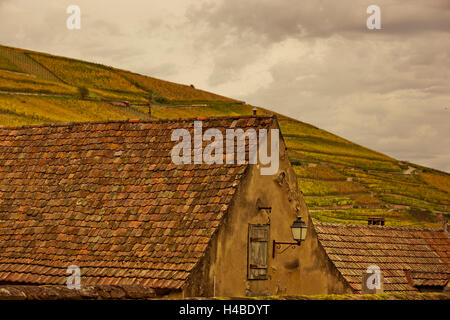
<point x="375" y="221"/>
<point x="445" y="226"/>
<point x="149" y="109"/>
<point x="254" y="111"/>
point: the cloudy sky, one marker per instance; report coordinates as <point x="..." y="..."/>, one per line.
<point x="314" y="60"/>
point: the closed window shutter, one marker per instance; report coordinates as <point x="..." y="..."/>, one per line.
<point x="258" y="251"/>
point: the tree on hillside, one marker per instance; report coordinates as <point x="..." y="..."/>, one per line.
<point x="84" y="92"/>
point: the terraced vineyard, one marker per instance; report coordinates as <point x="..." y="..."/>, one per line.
<point x="20" y="61"/>
<point x="341" y="181"/>
<point x="10" y="81"/>
<point x="82" y="74"/>
<point x="172" y="92"/>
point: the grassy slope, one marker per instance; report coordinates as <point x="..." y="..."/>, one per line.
<point x="379" y="296"/>
<point x="342" y="181"/>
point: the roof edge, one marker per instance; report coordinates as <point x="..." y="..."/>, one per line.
<point x="61" y="292"/>
<point x="344" y="225"/>
<point x="68" y="124"/>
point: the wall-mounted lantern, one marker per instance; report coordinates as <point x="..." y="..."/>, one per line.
<point x="298" y="229"/>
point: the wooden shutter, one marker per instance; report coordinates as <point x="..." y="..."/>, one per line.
<point x="258" y="251"/>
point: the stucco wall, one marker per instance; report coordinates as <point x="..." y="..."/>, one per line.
<point x="304" y="269"/>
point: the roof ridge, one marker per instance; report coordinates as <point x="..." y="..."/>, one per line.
<point x="344" y="225"/>
<point x="75" y="123"/>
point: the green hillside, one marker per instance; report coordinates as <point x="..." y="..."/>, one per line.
<point x="341" y="181"/>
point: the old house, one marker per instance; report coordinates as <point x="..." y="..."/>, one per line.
<point x="107" y="197"/>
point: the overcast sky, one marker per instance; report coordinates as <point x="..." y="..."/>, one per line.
<point x="314" y="60"/>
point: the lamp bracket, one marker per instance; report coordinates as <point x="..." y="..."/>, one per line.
<point x="279" y="244"/>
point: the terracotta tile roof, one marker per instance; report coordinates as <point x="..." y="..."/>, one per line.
<point x="352" y="248"/>
<point x="106" y="196"/>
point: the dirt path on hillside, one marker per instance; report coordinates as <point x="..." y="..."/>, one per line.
<point x="37" y="94"/>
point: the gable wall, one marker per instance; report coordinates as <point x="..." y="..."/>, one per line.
<point x="300" y="270"/>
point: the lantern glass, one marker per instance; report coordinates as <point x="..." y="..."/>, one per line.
<point x="298" y="229"/>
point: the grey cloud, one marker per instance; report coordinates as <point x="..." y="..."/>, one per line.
<point x="161" y="70"/>
<point x="391" y="112"/>
<point x="230" y="60"/>
<point x="277" y="20"/>
<point x="236" y="26"/>
<point x="106" y="27"/>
